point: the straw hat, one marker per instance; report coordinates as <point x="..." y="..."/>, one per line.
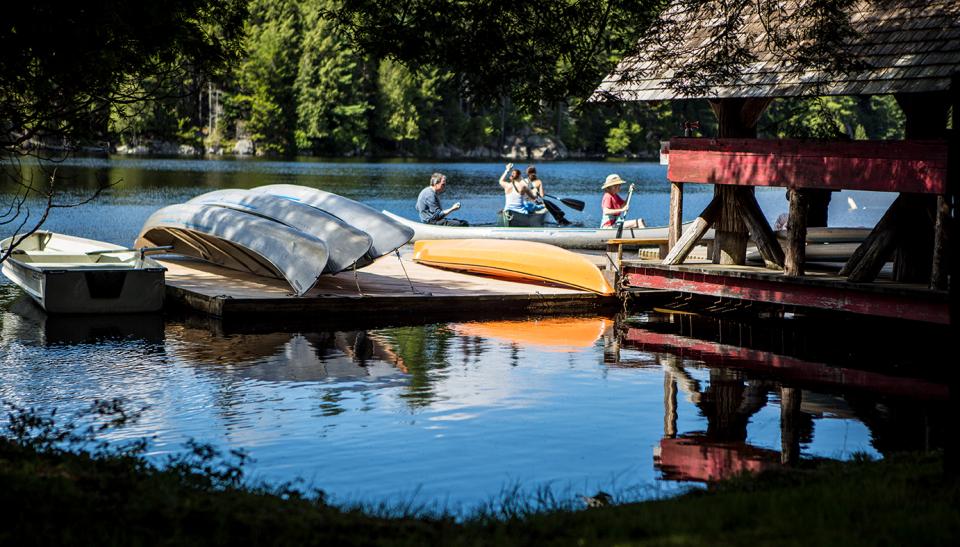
<point x="612" y="180"/>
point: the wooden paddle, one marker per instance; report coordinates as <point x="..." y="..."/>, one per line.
<point x="569" y="202"/>
<point x="623" y="215"/>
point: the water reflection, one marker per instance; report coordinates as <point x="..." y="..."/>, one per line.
<point x="742" y="381"/>
<point x="28" y="323"/>
<point x="462" y="409"/>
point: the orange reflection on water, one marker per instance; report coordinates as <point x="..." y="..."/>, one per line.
<point x="558" y="334"/>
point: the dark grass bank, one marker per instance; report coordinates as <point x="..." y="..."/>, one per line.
<point x="49" y="497"/>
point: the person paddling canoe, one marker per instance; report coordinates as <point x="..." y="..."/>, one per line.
<point x="614" y="206"/>
<point x="428" y="204"/>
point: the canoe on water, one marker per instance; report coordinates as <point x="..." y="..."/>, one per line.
<point x="568" y="238"/>
<point x="523" y="261"/>
<point x="67" y="274"/>
<point x="594" y="238"/>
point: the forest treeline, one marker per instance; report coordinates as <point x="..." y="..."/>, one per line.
<point x="302" y="87"/>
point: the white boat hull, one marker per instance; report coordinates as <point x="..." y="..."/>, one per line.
<point x="57" y="272"/>
<point x="239" y="241"/>
<point x="345" y="244"/>
<point x="568" y="238"/>
<point x="386" y="233"/>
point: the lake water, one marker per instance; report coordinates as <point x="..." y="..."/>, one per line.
<point x="453" y="415"/>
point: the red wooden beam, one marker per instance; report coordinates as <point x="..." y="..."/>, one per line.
<point x="782" y="291"/>
<point x="783" y="368"/>
<point x="886" y="166"/>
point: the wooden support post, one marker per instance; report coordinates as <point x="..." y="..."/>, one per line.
<point x="692" y="235"/>
<point x="763" y="235"/>
<point x="915" y="239"/>
<point x="875" y="251"/>
<point x="790" y="400"/>
<point x="676" y="214"/>
<point x="819" y="206"/>
<point x="736" y="118"/>
<point x="730" y="235"/>
<point x="796" y="255"/>
<point x="925" y="117"/>
<point x="939" y="267"/>
<point x="669" y="403"/>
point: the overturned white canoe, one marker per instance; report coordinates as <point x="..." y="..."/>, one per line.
<point x="67" y="274"/>
<point x="240" y="241"/>
<point x="345" y="244"/>
<point x="568" y="238"/>
<point x="387" y="234"/>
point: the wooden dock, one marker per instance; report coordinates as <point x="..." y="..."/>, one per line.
<point x="389" y="286"/>
<point x="816" y="289"/>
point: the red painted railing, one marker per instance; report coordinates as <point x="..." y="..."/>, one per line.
<point x="887" y="166"/>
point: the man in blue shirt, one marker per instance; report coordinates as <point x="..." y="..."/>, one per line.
<point x="428" y="204"/>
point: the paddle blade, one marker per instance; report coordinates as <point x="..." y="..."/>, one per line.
<point x="570" y="202"/>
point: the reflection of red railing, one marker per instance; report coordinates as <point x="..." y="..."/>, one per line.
<point x="886" y="166"/>
<point x="695" y="458"/>
<point x="787" y="369"/>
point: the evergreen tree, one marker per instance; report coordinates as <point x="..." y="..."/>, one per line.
<point x="331" y="105"/>
<point x="268" y="74"/>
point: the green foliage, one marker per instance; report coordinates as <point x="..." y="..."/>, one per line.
<point x="269" y="72"/>
<point x="621" y="137"/>
<point x="876" y="117"/>
<point x="531" y="51"/>
<point x="331" y="103"/>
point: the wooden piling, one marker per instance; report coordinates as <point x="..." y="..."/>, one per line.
<point x="796" y="234"/>
<point x="676" y="215"/>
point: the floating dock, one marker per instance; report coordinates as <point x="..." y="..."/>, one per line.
<point x="390" y="286"/>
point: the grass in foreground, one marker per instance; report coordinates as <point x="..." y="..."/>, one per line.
<point x="49" y="496"/>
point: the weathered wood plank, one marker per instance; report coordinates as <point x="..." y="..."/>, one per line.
<point x="730" y="240"/>
<point x="941" y="245"/>
<point x="676" y="214"/>
<point x="693" y="233"/>
<point x="795" y="259"/>
<point x="763" y="235"/>
<point x="865" y="263"/>
<point x="917" y="304"/>
<point x="890" y="166"/>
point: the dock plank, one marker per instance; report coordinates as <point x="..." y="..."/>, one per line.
<point x="378" y="287"/>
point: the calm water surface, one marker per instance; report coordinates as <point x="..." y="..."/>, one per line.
<point x="451" y="414"/>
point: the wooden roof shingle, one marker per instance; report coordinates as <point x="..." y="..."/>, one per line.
<point x="900" y="46"/>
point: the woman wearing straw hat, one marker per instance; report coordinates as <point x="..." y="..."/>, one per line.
<point x="615" y="206"/>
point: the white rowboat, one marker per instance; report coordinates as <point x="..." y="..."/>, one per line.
<point x="67" y="274"/>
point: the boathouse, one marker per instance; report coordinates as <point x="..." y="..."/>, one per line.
<point x="906" y="48"/>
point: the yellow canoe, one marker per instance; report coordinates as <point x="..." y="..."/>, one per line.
<point x="523" y="261"/>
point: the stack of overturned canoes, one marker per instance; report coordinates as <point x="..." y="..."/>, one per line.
<point x="295" y="233"/>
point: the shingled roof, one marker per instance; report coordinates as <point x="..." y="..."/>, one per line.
<point x="901" y="46"/>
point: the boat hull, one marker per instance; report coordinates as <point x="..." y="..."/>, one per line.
<point x="567" y="238"/>
<point x="345" y="244"/>
<point x="523" y="261"/>
<point x="239" y="241"/>
<point x="386" y="233"/>
<point x="58" y="274"/>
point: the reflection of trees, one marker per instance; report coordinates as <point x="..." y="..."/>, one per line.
<point x="423" y="350"/>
